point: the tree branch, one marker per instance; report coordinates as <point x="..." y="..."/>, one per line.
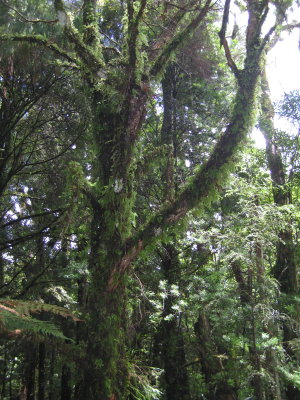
<point x="222" y="33"/>
<point x="83" y="52"/>
<point x="133" y="29"/>
<point x="206" y="183"/>
<point x="90" y="23"/>
<point x="223" y="40"/>
<point x="230" y="62"/>
<point x="178" y="40"/>
<point x="40" y="40"/>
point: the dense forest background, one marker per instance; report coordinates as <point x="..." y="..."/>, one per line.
<point x="148" y="249"/>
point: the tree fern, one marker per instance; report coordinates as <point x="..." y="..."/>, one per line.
<point x="15" y="318"/>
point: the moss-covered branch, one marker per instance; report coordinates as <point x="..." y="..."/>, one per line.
<point x="206" y="183"/>
<point x="210" y="177"/>
<point x="42" y="41"/>
<point x="87" y="55"/>
<point x="90" y="23"/>
<point x="133" y="33"/>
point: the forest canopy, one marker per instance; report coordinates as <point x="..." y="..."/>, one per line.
<point x="148" y="250"/>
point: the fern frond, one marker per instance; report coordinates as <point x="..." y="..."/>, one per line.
<point x="13" y="323"/>
<point x="15" y="318"/>
<point x="25" y="307"/>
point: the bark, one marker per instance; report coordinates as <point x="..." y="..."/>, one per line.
<point x="51" y="390"/>
<point x="106" y="374"/>
<point x="168" y="132"/>
<point x="3" y="370"/>
<point x="170" y="335"/>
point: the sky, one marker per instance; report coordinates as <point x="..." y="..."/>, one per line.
<point x="284" y="65"/>
<point x="283" y="71"/>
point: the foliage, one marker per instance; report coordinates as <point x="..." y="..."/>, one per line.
<point x="16" y="317"/>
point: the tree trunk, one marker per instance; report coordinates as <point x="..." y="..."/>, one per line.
<point x="170" y="333"/>
<point x="3" y="370"/>
<point x="285" y="268"/>
<point x="107" y="370"/>
<point x="66" y="389"/>
<point x="51" y="395"/>
<point x="169" y="344"/>
<point x="28" y="381"/>
<point x="42" y="371"/>
<point x="210" y="364"/>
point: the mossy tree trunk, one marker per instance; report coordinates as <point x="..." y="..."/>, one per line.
<point x="285" y="270"/>
<point x="116" y="127"/>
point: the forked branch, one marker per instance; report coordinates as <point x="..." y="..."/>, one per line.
<point x="223" y="40"/>
<point x="164" y="56"/>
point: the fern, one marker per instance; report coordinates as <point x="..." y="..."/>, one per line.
<point x="15" y="318"/>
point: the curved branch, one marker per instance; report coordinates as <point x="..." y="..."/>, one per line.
<point x="20" y="219"/>
<point x="40" y="40"/>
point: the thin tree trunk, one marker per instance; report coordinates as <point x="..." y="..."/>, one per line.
<point x="28" y="380"/>
<point x="210" y="364"/>
<point x="170" y="349"/>
<point x="170" y="333"/>
<point x="66" y="389"/>
<point x="285" y="269"/>
<point x="4" y="370"/>
<point x="42" y="372"/>
<point x="51" y="395"/>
